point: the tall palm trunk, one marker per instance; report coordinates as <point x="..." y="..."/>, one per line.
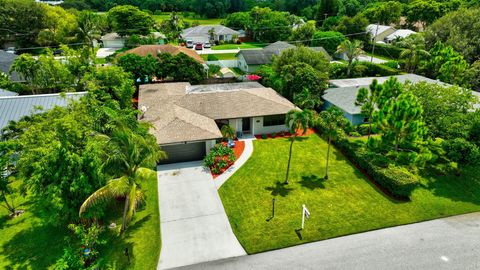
<point x="289" y="159"/>
<point x="328" y="156"/>
<point x="125" y="210"/>
<point x="349" y="67"/>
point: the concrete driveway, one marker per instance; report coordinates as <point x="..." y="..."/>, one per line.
<point x="194" y="225"/>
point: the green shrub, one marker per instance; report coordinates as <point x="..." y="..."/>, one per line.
<point x="329" y="40"/>
<point x="355" y="134"/>
<point x="462" y="151"/>
<point x="392" y="64"/>
<point x="273" y="135"/>
<point x="219" y="158"/>
<point x="373" y="70"/>
<point x="398" y="180"/>
<point x="264" y="136"/>
<point x="363" y="129"/>
<point x="389" y="51"/>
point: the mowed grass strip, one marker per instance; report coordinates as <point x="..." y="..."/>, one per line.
<point x="346" y="203"/>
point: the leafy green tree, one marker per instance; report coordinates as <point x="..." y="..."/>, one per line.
<point x="306" y="100"/>
<point x="297" y="122"/>
<point x="270" y="26"/>
<point x="401" y="122"/>
<point x="447" y="65"/>
<point x="460" y="30"/>
<point x="59" y="26"/>
<point x="304" y="33"/>
<point x="26" y="66"/>
<point x="7" y="168"/>
<point x="21" y="21"/>
<point x="352" y="50"/>
<point x="329" y="40"/>
<point x="239" y="20"/>
<point x="423" y="11"/>
<point x="349" y="7"/>
<point x="140" y="67"/>
<point x="317" y="60"/>
<point x="326" y="8"/>
<point x="172" y="27"/>
<point x="332" y="122"/>
<point x="367" y="98"/>
<point x="129" y="157"/>
<point x="211" y="8"/>
<point x="353" y="25"/>
<point x="440" y="102"/>
<point x="384" y="12"/>
<point x="129" y="20"/>
<point x="473" y="76"/>
<point x="414" y="51"/>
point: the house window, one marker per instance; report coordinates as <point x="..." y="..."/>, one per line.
<point x="274" y="120"/>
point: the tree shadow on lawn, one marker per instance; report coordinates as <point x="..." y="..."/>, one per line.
<point x="35" y="248"/>
<point x="312" y="182"/>
<point x="464" y="188"/>
<point x="279" y="188"/>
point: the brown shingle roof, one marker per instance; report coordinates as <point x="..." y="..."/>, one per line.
<point x="179" y="116"/>
<point x="153" y="50"/>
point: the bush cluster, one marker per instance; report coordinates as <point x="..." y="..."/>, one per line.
<point x="219" y="159"/>
<point x="361" y="69"/>
<point x="384" y="50"/>
<point x="398" y="181"/>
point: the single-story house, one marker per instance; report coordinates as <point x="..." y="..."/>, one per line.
<point x="113" y="40"/>
<point x="154" y="50"/>
<point x="343" y="93"/>
<point x="251" y="59"/>
<point x="201" y="33"/>
<point x="379" y="32"/>
<point x="187" y="119"/>
<point x="13" y="108"/>
<point x="399" y="34"/>
<point x="387" y="34"/>
<point x="6" y="61"/>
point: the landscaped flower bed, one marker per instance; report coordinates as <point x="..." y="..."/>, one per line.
<point x="283" y="134"/>
<point x="220" y="158"/>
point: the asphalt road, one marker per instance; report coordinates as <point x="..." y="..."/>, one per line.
<point x="449" y="243"/>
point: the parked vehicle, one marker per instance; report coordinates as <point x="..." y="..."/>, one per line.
<point x="10" y="50"/>
<point x="199" y="46"/>
<point x="189" y="44"/>
<point x="207" y="45"/>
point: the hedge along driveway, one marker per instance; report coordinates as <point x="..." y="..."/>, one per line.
<point x="344" y="204"/>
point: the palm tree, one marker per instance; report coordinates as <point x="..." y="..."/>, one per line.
<point x="128" y="157"/>
<point x="352" y="50"/>
<point x="296" y="121"/>
<point x="414" y="51"/>
<point x="228" y="132"/>
<point x="88" y="28"/>
<point x="332" y="121"/>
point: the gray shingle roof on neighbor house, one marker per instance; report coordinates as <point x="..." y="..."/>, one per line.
<point x="15" y="107"/>
<point x="345" y="93"/>
<point x="181" y="116"/>
<point x="265" y="56"/>
<point x="6" y="61"/>
<point x="202" y="30"/>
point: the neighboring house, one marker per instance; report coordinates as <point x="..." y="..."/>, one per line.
<point x="379" y="32"/>
<point x="6" y="93"/>
<point x="113" y="40"/>
<point x="387" y="34"/>
<point x="227" y="73"/>
<point x="154" y="50"/>
<point x="6" y="61"/>
<point x="250" y="60"/>
<point x="201" y="33"/>
<point x="343" y="93"/>
<point x="399" y="34"/>
<point x="187" y="119"/>
<point x="13" y="108"/>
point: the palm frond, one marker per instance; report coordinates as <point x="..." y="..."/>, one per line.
<point x="114" y="188"/>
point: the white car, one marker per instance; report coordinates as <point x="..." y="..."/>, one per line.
<point x="207" y="45"/>
<point x="10" y="50"/>
<point x="189" y="43"/>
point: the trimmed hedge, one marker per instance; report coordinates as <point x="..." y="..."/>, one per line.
<point x="361" y="69"/>
<point x="384" y="50"/>
<point x="397" y="181"/>
<point x="373" y="70"/>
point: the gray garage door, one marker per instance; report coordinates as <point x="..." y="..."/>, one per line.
<point x="184" y="152"/>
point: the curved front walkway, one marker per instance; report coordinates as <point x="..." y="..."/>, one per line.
<point x="194" y="225"/>
<point x="247" y="152"/>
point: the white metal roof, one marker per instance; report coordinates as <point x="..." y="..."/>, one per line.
<point x="13" y="108"/>
<point x="373" y="31"/>
<point x="6" y="93"/>
<point x="402" y="33"/>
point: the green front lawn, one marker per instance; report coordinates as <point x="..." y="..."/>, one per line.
<point x="346" y="203"/>
<point x="201" y="21"/>
<point x="28" y="242"/>
<point x="220" y="56"/>
<point x="244" y="45"/>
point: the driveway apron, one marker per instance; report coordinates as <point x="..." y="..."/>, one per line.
<point x="194" y="224"/>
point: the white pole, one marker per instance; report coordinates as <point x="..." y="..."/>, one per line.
<point x="303" y="216"/>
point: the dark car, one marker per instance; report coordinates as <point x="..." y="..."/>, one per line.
<point x="199" y="46"/>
